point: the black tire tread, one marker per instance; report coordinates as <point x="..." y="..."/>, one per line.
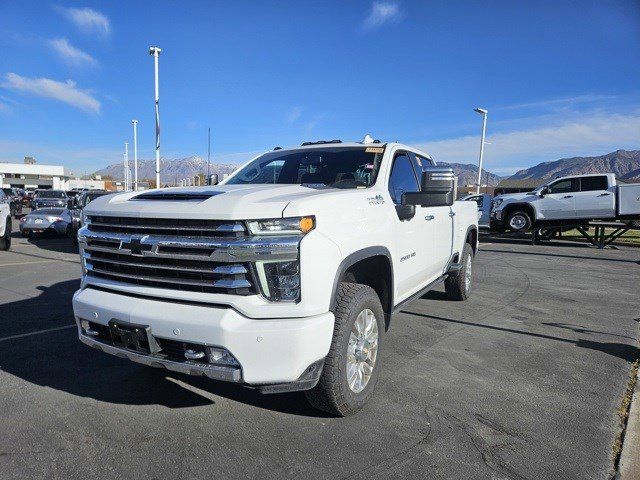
<point x="454" y="283"/>
<point x="327" y="395"/>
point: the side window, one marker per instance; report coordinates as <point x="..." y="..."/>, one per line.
<point x="402" y="178"/>
<point x="562" y="186"/>
<point x="589" y="184"/>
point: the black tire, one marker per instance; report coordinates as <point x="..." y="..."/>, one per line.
<point x="518" y="221"/>
<point x="332" y="394"/>
<point x="458" y="284"/>
<point x="5" y="241"/>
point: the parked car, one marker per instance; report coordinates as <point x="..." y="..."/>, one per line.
<point x="54" y="221"/>
<point x="50" y="199"/>
<point x="5" y="222"/>
<point x="77" y="206"/>
<point x="483" y="200"/>
<point x="15" y="200"/>
<point x="27" y="197"/>
<point x="568" y="200"/>
<point x="282" y="278"/>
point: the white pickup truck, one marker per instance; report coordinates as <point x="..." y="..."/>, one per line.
<point x="5" y="222"/>
<point x="282" y="278"/>
<point x="568" y="200"/>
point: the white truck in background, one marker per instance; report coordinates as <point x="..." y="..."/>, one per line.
<point x="282" y="278"/>
<point x="570" y="200"/>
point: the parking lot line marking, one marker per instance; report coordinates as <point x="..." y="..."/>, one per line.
<point x="38" y="332"/>
<point x="28" y="263"/>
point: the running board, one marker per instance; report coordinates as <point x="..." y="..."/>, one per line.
<point x="418" y="294"/>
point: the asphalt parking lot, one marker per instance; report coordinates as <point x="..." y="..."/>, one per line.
<point x="522" y="381"/>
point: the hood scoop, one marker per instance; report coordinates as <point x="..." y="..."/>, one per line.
<point x="178" y="196"/>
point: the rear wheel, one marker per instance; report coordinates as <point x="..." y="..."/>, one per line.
<point x="519" y="221"/>
<point x="352" y="366"/>
<point x="5" y="241"/>
<point x="458" y="284"/>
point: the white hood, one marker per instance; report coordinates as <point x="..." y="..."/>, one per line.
<point x="225" y="202"/>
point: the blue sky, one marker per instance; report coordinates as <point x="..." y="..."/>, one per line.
<point x="559" y="78"/>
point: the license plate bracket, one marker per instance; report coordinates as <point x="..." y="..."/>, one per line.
<point x="133" y="337"/>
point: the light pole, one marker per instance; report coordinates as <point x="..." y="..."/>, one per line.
<point x="126" y="166"/>
<point x="135" y="154"/>
<point x="155" y="51"/>
<point x="208" y="182"/>
<point x="484" y="129"/>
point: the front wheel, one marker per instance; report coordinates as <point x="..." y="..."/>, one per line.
<point x="352" y="366"/>
<point x="5" y="241"/>
<point x="519" y="221"/>
<point x="457" y="285"/>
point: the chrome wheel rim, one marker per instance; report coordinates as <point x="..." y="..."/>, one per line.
<point x="362" y="350"/>
<point x="518" y="222"/>
<point x="467" y="274"/>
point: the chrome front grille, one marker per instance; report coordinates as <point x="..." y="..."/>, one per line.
<point x="142" y="252"/>
<point x="166" y="226"/>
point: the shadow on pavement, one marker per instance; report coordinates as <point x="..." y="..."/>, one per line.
<point x="56" y="359"/>
<point x="624" y="351"/>
<point x="542" y="254"/>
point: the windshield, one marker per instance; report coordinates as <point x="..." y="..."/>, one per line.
<point x="334" y="167"/>
<point x="51" y="194"/>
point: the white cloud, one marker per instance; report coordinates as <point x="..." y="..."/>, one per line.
<point x="593" y="135"/>
<point x="70" y="54"/>
<point x="66" y="92"/>
<point x="87" y="19"/>
<point x="381" y="13"/>
<point x="560" y="102"/>
<point x="294" y="114"/>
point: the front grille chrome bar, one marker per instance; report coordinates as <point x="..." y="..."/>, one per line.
<point x="225" y="250"/>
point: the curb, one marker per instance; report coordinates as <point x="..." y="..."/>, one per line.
<point x="629" y="467"/>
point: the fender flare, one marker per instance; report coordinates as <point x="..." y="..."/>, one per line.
<point x="354" y="258"/>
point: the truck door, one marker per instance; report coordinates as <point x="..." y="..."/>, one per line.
<point x="438" y="230"/>
<point x="559" y="202"/>
<point x="595" y="200"/>
<point x="410" y="262"/>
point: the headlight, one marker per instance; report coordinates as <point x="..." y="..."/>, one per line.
<point x="282" y="226"/>
<point x="280" y="281"/>
<point x="496" y="203"/>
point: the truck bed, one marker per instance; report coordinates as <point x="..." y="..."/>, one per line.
<point x="628" y="200"/>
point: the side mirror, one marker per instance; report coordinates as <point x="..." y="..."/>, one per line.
<point x="544" y="191"/>
<point x="438" y="189"/>
<point x="405" y="212"/>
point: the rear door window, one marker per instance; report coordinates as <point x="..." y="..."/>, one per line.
<point x="589" y="184"/>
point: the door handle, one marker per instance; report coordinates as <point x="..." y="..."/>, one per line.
<point x="568" y="196"/>
<point x="452" y="214"/>
<point x="604" y="194"/>
<point x="429" y="217"/>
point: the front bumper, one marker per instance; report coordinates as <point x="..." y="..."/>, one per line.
<point x="52" y="228"/>
<point x="269" y="351"/>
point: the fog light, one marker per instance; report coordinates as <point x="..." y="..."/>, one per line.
<point x="85" y="325"/>
<point x="220" y="356"/>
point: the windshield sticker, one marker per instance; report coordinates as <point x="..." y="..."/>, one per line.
<point x="374" y="150"/>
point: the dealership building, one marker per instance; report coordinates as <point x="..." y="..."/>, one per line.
<point x="32" y="175"/>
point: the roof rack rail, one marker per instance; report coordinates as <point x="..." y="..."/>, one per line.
<point x="320" y="142"/>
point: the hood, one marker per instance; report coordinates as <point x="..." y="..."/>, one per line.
<point x="225" y="202"/>
<point x="514" y="197"/>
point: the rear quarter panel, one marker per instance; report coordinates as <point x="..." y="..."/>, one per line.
<point x="466" y="217"/>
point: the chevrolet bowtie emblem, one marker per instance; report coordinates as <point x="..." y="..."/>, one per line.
<point x="135" y="245"/>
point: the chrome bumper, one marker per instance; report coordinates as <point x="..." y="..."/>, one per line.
<point x="215" y="372"/>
